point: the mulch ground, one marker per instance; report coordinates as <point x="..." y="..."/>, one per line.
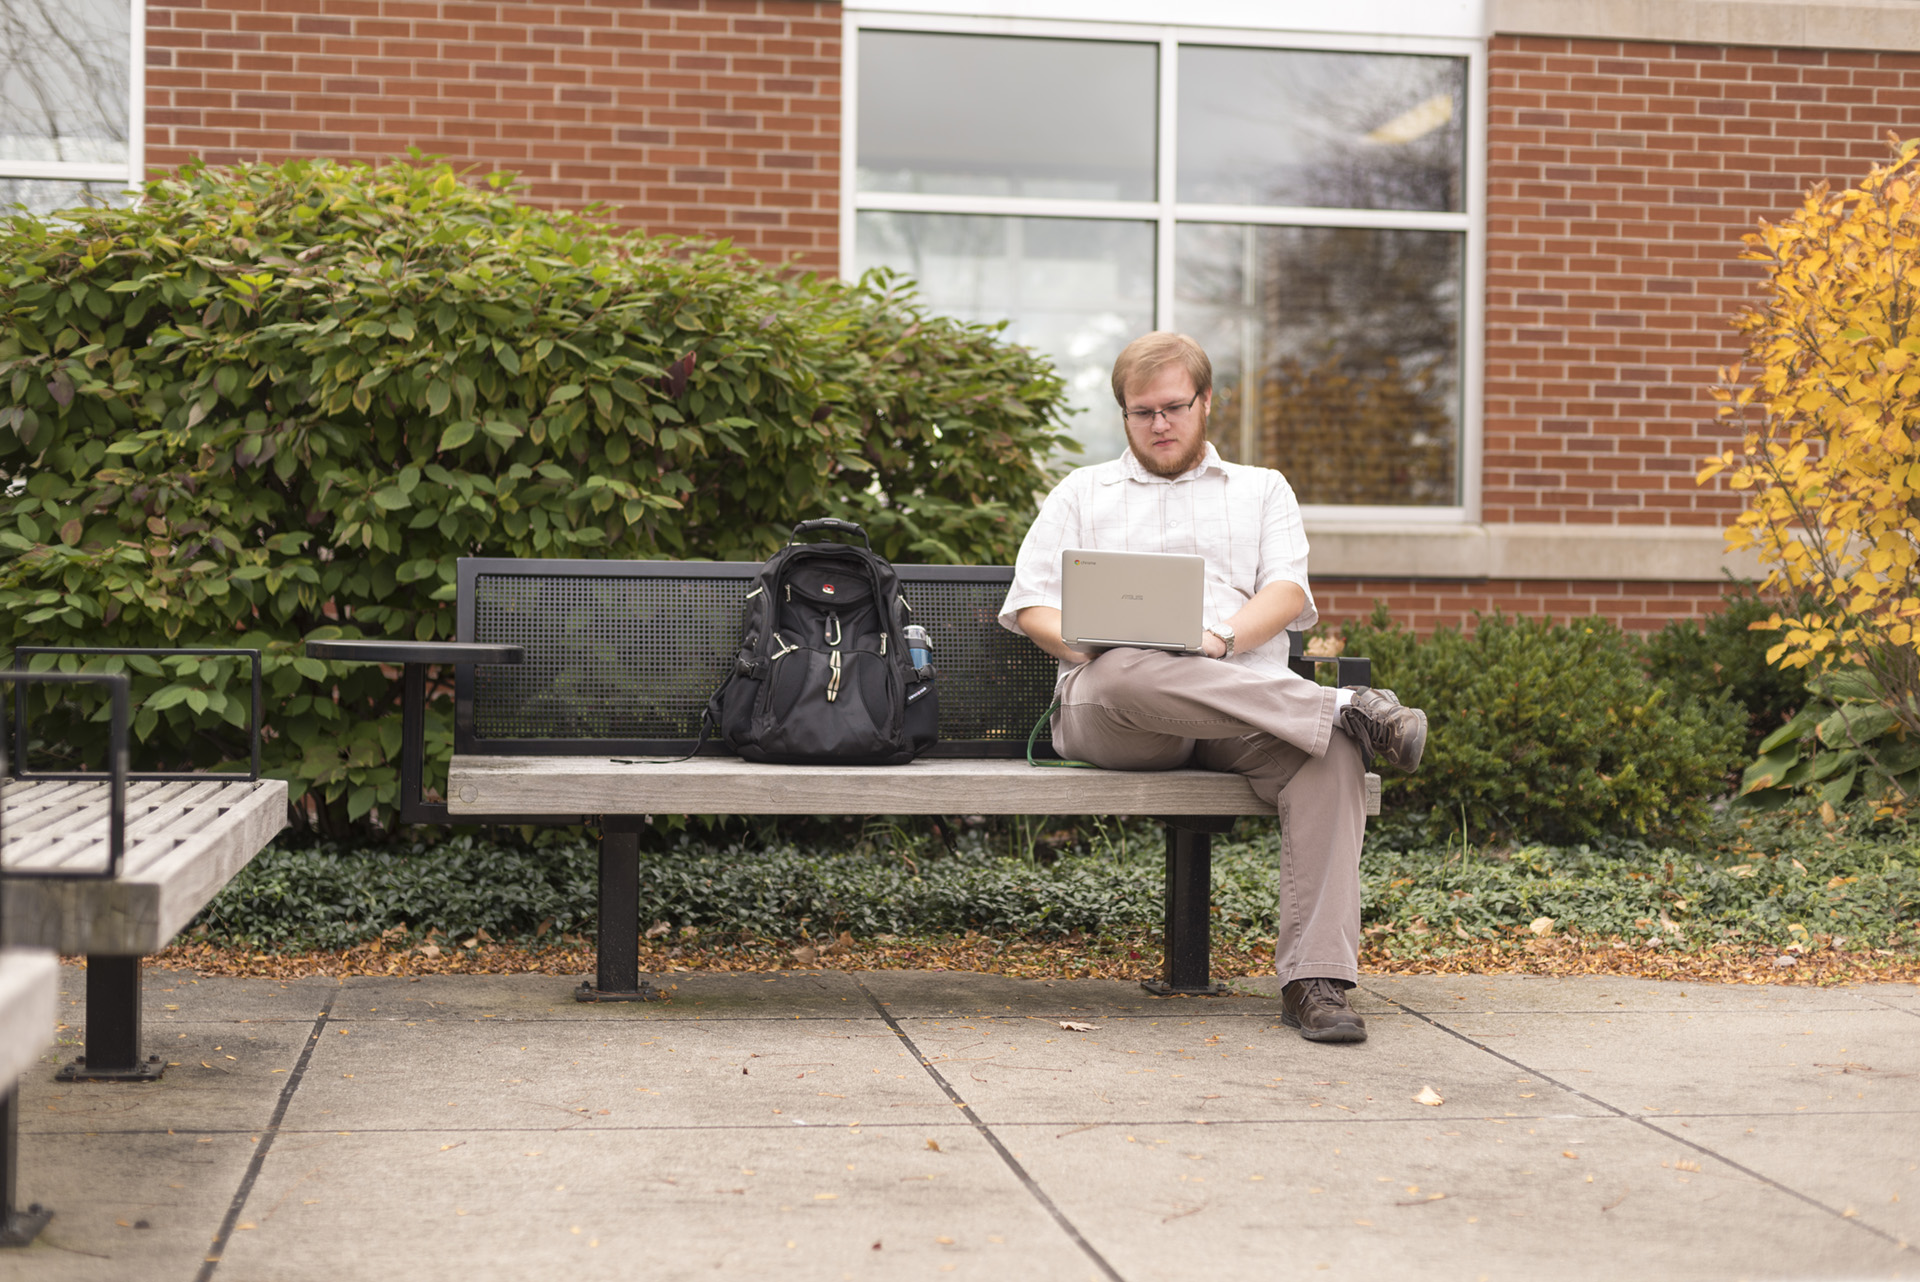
<point x="1129" y="959"/>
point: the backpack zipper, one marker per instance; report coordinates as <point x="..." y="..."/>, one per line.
<point x="833" y="676"/>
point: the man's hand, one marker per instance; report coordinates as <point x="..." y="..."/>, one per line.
<point x="1041" y="623"/>
<point x="1260" y="620"/>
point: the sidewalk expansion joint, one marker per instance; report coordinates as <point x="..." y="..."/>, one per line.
<point x="993" y="1141"/>
<point x="1650" y="1124"/>
<point x="218" y="1246"/>
<point x="1904" y="1010"/>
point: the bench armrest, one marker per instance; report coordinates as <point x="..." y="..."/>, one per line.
<point x="415" y="657"/>
<point x="383" y="651"/>
<point x="22" y="653"/>
<point x="118" y="690"/>
<point x="1349" y="670"/>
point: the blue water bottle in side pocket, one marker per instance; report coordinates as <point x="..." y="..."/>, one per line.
<point x="919" y="645"/>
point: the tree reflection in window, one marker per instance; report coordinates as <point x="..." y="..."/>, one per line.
<point x="1322" y="130"/>
<point x="65" y="75"/>
<point x="1336" y="354"/>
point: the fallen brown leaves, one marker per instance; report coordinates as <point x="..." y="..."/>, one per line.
<point x="1714" y="963"/>
<point x="1131" y="958"/>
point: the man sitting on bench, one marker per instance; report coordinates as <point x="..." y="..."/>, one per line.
<point x="1304" y="747"/>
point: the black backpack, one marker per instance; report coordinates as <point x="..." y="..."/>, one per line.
<point x="823" y="675"/>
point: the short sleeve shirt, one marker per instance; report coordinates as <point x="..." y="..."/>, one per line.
<point x="1243" y="520"/>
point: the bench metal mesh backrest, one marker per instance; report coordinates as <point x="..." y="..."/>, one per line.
<point x="623" y="655"/>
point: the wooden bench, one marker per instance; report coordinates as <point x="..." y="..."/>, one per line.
<point x="113" y="864"/>
<point x="570" y="677"/>
<point x="29" y="1003"/>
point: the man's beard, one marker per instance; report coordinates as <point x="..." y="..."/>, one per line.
<point x="1173" y="466"/>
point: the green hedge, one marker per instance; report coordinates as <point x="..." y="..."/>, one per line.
<point x="1725" y="655"/>
<point x="1550" y="732"/>
<point x="1773" y="878"/>
<point x="271" y="404"/>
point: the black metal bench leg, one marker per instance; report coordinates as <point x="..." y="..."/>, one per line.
<point x="113" y="1026"/>
<point x="19" y="1225"/>
<point x="617" y="950"/>
<point x="1189" y="932"/>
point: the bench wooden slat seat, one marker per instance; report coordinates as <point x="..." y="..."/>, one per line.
<point x="184" y="842"/>
<point x="59" y="825"/>
<point x="29" y="1005"/>
<point x="600" y="669"/>
<point x="484" y="786"/>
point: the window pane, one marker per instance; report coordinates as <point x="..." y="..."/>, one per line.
<point x="45" y="195"/>
<point x="1076" y="289"/>
<point x="998" y="116"/>
<point x="1323" y="130"/>
<point x="1336" y="354"/>
<point x="64" y="77"/>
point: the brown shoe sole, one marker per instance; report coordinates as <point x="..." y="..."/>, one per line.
<point x="1338" y="1033"/>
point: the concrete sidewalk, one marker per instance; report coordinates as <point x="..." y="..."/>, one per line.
<point x="912" y="1125"/>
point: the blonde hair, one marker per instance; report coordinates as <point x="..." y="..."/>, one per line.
<point x="1150" y="353"/>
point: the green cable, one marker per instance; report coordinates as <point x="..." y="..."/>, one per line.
<point x="1034" y="738"/>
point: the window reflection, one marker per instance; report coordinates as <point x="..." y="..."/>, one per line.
<point x="1337" y="350"/>
<point x="1336" y="354"/>
<point x="1001" y="116"/>
<point x="1078" y="290"/>
<point x="64" y="80"/>
<point x="1321" y="130"/>
<point x="46" y="195"/>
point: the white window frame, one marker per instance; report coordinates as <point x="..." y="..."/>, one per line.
<point x="1166" y="211"/>
<point x="133" y="172"/>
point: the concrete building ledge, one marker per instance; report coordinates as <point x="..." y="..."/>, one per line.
<point x="1627" y="553"/>
<point x="1879" y="25"/>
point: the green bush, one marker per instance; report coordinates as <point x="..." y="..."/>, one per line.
<point x="271" y="404"/>
<point x="1760" y="879"/>
<point x="1723" y="655"/>
<point x="328" y="895"/>
<point x="1549" y="732"/>
<point x="1845" y="743"/>
<point x="1775" y="878"/>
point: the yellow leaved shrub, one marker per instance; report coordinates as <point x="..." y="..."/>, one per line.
<point x="1829" y="460"/>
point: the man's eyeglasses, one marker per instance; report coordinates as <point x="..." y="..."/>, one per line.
<point x="1174" y="414"/>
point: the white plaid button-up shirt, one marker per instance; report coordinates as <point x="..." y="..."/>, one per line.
<point x="1243" y="520"/>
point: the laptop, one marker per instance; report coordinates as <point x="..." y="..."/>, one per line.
<point x="1153" y="600"/>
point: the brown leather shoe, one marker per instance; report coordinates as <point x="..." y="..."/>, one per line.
<point x="1318" y="1008"/>
<point x="1386" y="728"/>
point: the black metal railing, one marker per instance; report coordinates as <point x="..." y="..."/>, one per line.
<point x="119" y="694"/>
<point x="20" y="740"/>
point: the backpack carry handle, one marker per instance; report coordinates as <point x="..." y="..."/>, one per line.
<point x="831" y="525"/>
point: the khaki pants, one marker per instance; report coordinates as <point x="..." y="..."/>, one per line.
<point x="1135" y="709"/>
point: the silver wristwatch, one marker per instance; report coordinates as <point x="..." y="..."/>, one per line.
<point x="1225" y="633"/>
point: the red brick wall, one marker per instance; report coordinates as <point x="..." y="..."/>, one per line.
<point x="1426" y="604"/>
<point x="1621" y="177"/>
<point x="702" y="117"/>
